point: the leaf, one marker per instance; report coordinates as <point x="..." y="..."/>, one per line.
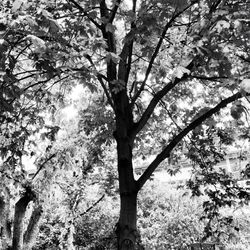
<point x="220" y="25"/>
<point x="92" y="14"/>
<point x="237" y="110"/>
<point x="131" y="16"/>
<point x="45" y="13"/>
<point x="17" y="5"/>
<point x="38" y="42"/>
<point x="54" y="26"/>
<point x="113" y="57"/>
<point x="3" y="46"/>
<point x="31" y="21"/>
<point x="180" y="71"/>
<point x="3" y="42"/>
<point x="245" y="85"/>
<point x="110" y="28"/>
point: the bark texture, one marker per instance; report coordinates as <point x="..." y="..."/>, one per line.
<point x="32" y="228"/>
<point x="5" y="229"/>
<point x="20" y="209"/>
<point x="127" y="231"/>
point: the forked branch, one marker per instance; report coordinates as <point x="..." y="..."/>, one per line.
<point x="79" y="7"/>
<point x="155" y="100"/>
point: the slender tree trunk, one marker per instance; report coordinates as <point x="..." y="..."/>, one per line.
<point x="5" y="230"/>
<point x="2" y="223"/>
<point x="20" y="209"/>
<point x="32" y="228"/>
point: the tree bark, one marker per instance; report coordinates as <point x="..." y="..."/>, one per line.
<point x="127" y="230"/>
<point x="32" y="228"/>
<point x="5" y="230"/>
<point x="20" y="209"/>
<point x="2" y="223"/>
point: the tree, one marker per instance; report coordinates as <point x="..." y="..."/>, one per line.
<point x="179" y="62"/>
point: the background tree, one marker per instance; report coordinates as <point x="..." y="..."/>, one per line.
<point x="178" y="61"/>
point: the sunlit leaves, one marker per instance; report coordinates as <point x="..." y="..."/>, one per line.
<point x="245" y="85"/>
<point x="237" y="110"/>
<point x="180" y="71"/>
<point x="37" y="42"/>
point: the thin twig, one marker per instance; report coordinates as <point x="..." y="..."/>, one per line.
<point x="42" y="166"/>
<point x="78" y="6"/>
<point x="93" y="205"/>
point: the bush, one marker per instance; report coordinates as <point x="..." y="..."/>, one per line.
<point x="95" y="230"/>
<point x="168" y="220"/>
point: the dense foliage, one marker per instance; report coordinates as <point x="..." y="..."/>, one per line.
<point x="157" y="78"/>
<point x="166" y="220"/>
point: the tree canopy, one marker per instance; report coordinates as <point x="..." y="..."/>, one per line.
<point x="163" y="71"/>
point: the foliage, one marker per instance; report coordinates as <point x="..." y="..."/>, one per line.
<point x="239" y="240"/>
<point x="169" y="219"/>
<point x="92" y="230"/>
<point x="217" y="184"/>
<point x="165" y="68"/>
<point x="166" y="220"/>
<point x="95" y="230"/>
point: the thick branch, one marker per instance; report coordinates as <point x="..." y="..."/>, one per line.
<point x="209" y="78"/>
<point x="155" y="100"/>
<point x="111" y="46"/>
<point x="129" y="48"/>
<point x="167" y="150"/>
<point x="114" y="11"/>
<point x="123" y="66"/>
